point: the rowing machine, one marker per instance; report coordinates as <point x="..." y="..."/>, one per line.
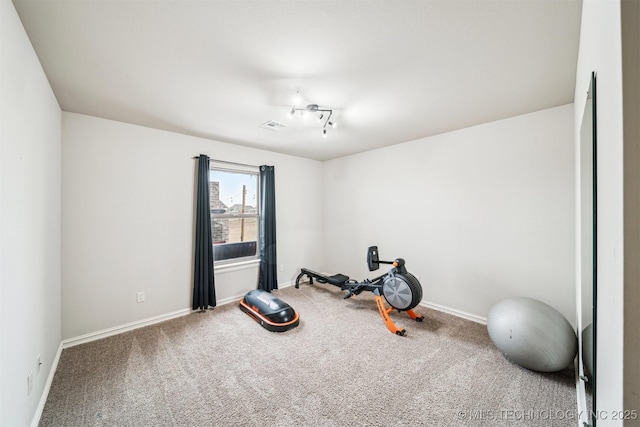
<point x="398" y="287"/>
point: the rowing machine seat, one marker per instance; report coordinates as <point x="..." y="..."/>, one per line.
<point x="337" y="279"/>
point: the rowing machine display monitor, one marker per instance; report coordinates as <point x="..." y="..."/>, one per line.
<point x="372" y="258"/>
<point x="399" y="288"/>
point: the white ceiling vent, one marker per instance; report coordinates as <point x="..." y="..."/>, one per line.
<point x="273" y="125"/>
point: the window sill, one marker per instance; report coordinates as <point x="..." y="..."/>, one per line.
<point x="235" y="266"/>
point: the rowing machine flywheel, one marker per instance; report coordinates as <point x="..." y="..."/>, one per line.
<point x="402" y="291"/>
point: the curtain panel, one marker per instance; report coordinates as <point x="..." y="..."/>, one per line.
<point x="268" y="277"/>
<point x="204" y="294"/>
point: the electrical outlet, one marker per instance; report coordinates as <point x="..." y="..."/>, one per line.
<point x="140" y="297"/>
<point x="29" y="383"/>
<point x="38" y="364"/>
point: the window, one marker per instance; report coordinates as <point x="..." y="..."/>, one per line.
<point x="233" y="198"/>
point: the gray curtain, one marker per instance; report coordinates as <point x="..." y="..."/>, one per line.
<point x="268" y="278"/>
<point x="204" y="293"/>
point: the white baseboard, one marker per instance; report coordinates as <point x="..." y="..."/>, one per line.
<point x="47" y="386"/>
<point x="453" y="311"/>
<point x="93" y="336"/>
<point x="286" y="284"/>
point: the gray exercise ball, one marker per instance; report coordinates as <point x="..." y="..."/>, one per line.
<point x="532" y="334"/>
<point x="587" y="349"/>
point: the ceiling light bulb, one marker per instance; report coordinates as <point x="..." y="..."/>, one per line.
<point x="332" y="124"/>
<point x="292" y="112"/>
<point x="319" y="119"/>
<point x="296" y="100"/>
<point x="324" y="133"/>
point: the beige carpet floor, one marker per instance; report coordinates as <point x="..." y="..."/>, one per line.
<point x="339" y="367"/>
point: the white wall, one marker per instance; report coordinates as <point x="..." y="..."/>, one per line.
<point x="480" y="214"/>
<point x="600" y="51"/>
<point x="128" y="203"/>
<point x="29" y="222"/>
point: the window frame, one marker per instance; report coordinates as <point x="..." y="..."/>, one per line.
<point x="239" y="169"/>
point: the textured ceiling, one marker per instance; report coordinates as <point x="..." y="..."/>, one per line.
<point x="393" y="71"/>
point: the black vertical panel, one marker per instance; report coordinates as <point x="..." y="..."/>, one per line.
<point x="268" y="278"/>
<point x="204" y="294"/>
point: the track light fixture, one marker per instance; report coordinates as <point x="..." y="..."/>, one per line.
<point x="323" y="115"/>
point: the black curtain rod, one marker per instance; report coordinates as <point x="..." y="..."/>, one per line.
<point x="229" y="163"/>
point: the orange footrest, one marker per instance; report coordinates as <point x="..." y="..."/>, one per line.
<point x="384" y="312"/>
